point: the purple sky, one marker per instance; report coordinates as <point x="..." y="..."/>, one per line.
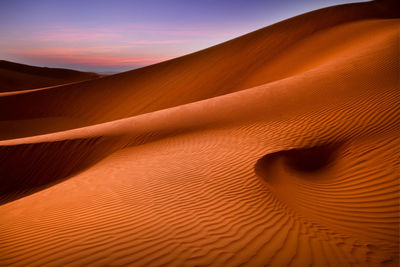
<point x="118" y="35"/>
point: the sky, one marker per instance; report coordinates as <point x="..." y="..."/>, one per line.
<point x="109" y="36"/>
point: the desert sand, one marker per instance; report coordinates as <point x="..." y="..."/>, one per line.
<point x="18" y="77"/>
<point x="277" y="148"/>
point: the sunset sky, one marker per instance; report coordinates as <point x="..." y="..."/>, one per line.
<point x="118" y="35"/>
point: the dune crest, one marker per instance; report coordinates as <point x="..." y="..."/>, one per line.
<point x="278" y="148"/>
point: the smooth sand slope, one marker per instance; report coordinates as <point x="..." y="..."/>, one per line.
<point x="16" y="77"/>
<point x="279" y="148"/>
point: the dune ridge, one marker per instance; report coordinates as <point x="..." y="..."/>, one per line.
<point x="285" y="154"/>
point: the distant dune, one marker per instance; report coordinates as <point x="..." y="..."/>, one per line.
<point x="277" y="148"/>
<point x="15" y="76"/>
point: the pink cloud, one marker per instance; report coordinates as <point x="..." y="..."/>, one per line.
<point x="128" y="32"/>
<point x="67" y="56"/>
<point x="112" y="45"/>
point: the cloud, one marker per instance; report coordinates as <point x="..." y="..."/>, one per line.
<point x="78" y="57"/>
<point x="110" y="45"/>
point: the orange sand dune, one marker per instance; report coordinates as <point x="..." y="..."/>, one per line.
<point x="251" y="60"/>
<point x="15" y="76"/>
<point x="278" y="148"/>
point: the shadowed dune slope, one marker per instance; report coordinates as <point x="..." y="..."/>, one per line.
<point x="278" y="148"/>
<point x="15" y="76"/>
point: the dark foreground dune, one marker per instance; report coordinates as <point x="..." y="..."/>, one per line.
<point x="278" y="148"/>
<point x="16" y="77"/>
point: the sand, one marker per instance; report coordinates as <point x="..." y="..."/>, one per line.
<point x="279" y="148"/>
<point x="16" y="77"/>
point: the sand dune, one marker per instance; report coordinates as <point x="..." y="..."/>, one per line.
<point x="16" y="77"/>
<point x="251" y="60"/>
<point x="279" y="148"/>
